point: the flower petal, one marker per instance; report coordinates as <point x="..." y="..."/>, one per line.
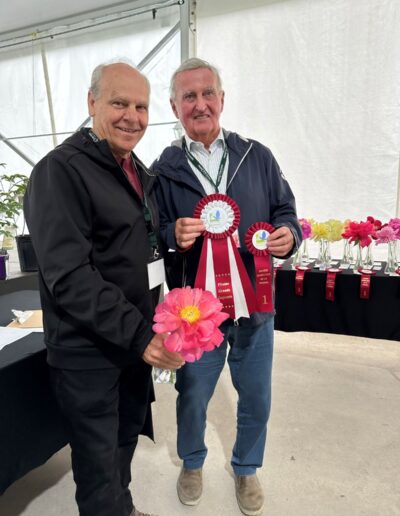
<point x="173" y="343"/>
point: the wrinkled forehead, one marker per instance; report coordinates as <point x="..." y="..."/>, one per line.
<point x="198" y="79"/>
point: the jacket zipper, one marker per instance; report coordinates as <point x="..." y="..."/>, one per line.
<point x="237" y="168"/>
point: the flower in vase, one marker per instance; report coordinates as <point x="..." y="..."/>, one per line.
<point x="395" y="224"/>
<point x="359" y="232"/>
<point x="377" y="224"/>
<point x="335" y="230"/>
<point x="385" y="235"/>
<point x="319" y="231"/>
<point x="305" y="228"/>
<point x="191" y="317"/>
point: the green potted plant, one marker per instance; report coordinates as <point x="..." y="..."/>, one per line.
<point x="12" y="190"/>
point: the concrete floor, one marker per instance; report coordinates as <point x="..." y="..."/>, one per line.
<point x="333" y="444"/>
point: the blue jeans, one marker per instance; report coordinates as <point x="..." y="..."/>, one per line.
<point x="250" y="363"/>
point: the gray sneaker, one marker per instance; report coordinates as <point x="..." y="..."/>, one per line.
<point x="190" y="486"/>
<point x="249" y="495"/>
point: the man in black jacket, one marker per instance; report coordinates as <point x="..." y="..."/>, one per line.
<point x="92" y="215"/>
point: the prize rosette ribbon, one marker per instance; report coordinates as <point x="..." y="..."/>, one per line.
<point x="299" y="279"/>
<point x="221" y="270"/>
<point x="256" y="242"/>
<point x="365" y="282"/>
<point x="330" y="283"/>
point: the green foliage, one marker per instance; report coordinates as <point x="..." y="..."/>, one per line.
<point x="12" y="189"/>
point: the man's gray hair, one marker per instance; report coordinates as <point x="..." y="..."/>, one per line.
<point x="193" y="63"/>
<point x="97" y="73"/>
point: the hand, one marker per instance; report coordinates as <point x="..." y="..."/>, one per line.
<point x="281" y="241"/>
<point x="157" y="356"/>
<point x="187" y="230"/>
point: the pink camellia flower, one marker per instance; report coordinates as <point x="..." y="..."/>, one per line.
<point x="191" y="317"/>
<point x="385" y="235"/>
<point x="395" y="224"/>
<point x="305" y="228"/>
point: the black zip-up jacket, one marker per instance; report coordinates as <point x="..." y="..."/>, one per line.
<point x="89" y="233"/>
<point x="254" y="181"/>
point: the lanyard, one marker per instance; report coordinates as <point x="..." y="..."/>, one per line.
<point x="151" y="234"/>
<point x="148" y="219"/>
<point x="203" y="171"/>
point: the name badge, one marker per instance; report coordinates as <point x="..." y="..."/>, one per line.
<point x="156" y="273"/>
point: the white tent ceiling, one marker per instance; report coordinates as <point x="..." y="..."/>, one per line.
<point x="20" y="17"/>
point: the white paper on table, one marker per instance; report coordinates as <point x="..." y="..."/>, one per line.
<point x="10" y="335"/>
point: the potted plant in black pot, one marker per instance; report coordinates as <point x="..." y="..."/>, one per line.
<point x="12" y="190"/>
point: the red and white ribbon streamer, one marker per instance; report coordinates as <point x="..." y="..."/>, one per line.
<point x="221" y="270"/>
<point x="256" y="241"/>
<point x="365" y="282"/>
<point x="330" y="283"/>
<point x="299" y="279"/>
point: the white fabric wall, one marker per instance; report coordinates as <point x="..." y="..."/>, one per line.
<point x="317" y="81"/>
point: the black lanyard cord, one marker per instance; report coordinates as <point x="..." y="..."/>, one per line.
<point x="203" y="171"/>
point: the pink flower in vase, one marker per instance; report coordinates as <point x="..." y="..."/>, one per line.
<point x="305" y="228"/>
<point x="395" y="224"/>
<point x="191" y="317"/>
<point x="385" y="235"/>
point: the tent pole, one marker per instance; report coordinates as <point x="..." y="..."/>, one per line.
<point x="188" y="29"/>
<point x="49" y="97"/>
<point x="16" y="150"/>
<point x="160" y="45"/>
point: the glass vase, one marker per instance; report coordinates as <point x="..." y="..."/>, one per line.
<point x="359" y="263"/>
<point x="346" y="259"/>
<point x="305" y="257"/>
<point x="324" y="255"/>
<point x="164" y="375"/>
<point x="368" y="259"/>
<point x="391" y="258"/>
<point x="297" y="257"/>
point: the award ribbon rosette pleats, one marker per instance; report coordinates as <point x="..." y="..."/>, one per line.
<point x="221" y="270"/>
<point x="365" y="282"/>
<point x="256" y="242"/>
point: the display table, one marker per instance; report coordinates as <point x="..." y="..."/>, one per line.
<point x="31" y="430"/>
<point x="377" y="317"/>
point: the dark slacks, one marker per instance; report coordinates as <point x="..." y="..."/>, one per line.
<point x="104" y="412"/>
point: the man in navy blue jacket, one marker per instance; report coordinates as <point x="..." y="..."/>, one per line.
<point x="207" y="160"/>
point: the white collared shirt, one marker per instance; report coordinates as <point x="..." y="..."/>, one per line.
<point x="210" y="159"/>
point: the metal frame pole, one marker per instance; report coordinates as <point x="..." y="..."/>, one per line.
<point x="49" y="95"/>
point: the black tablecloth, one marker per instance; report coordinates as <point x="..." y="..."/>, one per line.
<point x="30" y="430"/>
<point x="377" y="317"/>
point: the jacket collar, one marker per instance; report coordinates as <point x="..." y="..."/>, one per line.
<point x="175" y="166"/>
<point x="109" y="163"/>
